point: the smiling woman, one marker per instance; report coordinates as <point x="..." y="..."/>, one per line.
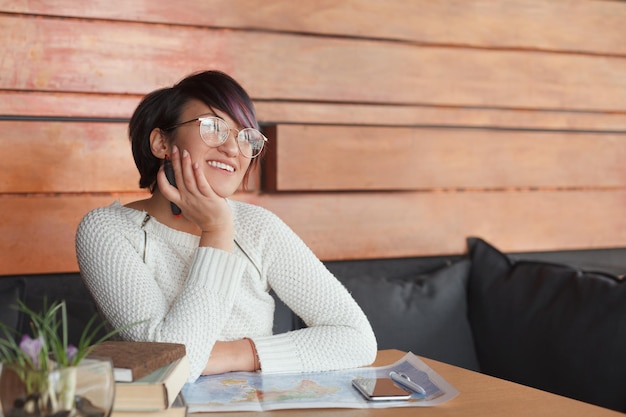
<point x="203" y="277"/>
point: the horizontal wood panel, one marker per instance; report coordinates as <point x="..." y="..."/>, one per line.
<point x="333" y="75"/>
<point x="96" y="157"/>
<point x="406" y="115"/>
<point x="321" y="158"/>
<point x="572" y="25"/>
<point x="37" y="233"/>
<point x="67" y="105"/>
<point x="70" y="157"/>
<point x="66" y="157"/>
<point x="380" y="225"/>
<point x="95" y="56"/>
<point x="79" y="105"/>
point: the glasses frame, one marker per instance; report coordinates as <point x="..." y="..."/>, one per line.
<point x="202" y="118"/>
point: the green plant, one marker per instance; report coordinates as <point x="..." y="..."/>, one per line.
<point x="48" y="348"/>
<point x="48" y="366"/>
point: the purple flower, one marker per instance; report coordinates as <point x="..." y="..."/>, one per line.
<point x="32" y="347"/>
<point x="71" y="352"/>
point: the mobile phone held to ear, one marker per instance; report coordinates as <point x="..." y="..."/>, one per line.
<point x="169" y="174"/>
<point x="380" y="389"/>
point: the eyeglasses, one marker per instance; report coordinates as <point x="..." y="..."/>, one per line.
<point x="215" y="131"/>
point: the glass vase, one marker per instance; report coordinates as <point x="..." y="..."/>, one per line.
<point x="85" y="390"/>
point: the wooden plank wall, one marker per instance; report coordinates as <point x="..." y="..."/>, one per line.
<point x="398" y="127"/>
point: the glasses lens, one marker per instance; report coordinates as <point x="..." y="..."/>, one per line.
<point x="213" y="131"/>
<point x="251" y="142"/>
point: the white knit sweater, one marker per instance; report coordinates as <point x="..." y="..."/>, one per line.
<point x="139" y="270"/>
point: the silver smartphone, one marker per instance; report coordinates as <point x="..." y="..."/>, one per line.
<point x="380" y="389"/>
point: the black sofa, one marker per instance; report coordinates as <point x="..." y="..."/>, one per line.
<point x="551" y="320"/>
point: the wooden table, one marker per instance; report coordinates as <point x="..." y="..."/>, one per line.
<point x="480" y="396"/>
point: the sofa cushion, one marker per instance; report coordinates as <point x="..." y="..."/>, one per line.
<point x="46" y="289"/>
<point x="550" y="326"/>
<point x="11" y="290"/>
<point x="412" y="310"/>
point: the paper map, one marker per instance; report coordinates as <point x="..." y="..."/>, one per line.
<point x="250" y="391"/>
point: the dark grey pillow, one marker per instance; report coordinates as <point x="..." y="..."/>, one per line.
<point x="550" y="326"/>
<point x="11" y="290"/>
<point x="425" y="313"/>
<point x="46" y="289"/>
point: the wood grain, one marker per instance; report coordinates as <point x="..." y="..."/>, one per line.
<point x="95" y="157"/>
<point x="95" y="56"/>
<point x="38" y="231"/>
<point x="47" y="104"/>
<point x="512" y="115"/>
<point x="480" y="396"/>
<point x="321" y="158"/>
<point x="71" y="157"/>
<point x="579" y="26"/>
<point x="67" y="157"/>
<point x="119" y="108"/>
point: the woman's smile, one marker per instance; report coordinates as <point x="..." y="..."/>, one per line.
<point x="221" y="165"/>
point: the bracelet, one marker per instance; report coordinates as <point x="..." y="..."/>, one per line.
<point x="256" y="365"/>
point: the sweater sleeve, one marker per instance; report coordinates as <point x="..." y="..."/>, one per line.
<point x="127" y="293"/>
<point x="338" y="334"/>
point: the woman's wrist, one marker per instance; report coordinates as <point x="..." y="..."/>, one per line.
<point x="238" y="355"/>
<point x="256" y="366"/>
<point x="222" y="239"/>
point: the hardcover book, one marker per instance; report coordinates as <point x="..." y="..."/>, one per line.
<point x="177" y="409"/>
<point x="154" y="392"/>
<point x="134" y="360"/>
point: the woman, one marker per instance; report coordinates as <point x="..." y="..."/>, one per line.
<point x="203" y="277"/>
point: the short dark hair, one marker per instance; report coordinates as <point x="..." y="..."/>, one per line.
<point x="163" y="108"/>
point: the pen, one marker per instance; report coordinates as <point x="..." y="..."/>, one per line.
<point x="406" y="382"/>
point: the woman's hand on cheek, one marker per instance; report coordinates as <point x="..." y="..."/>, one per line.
<point x="196" y="199"/>
<point x="205" y="208"/>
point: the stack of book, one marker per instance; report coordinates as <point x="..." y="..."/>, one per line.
<point x="148" y="377"/>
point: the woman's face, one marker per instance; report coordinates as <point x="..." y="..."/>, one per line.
<point x="224" y="166"/>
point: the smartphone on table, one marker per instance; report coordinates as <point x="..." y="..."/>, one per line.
<point x="380" y="389"/>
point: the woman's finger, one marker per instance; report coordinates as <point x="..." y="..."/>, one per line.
<point x="188" y="175"/>
<point x="203" y="185"/>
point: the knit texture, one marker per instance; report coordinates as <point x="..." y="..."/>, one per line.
<point x="141" y="271"/>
